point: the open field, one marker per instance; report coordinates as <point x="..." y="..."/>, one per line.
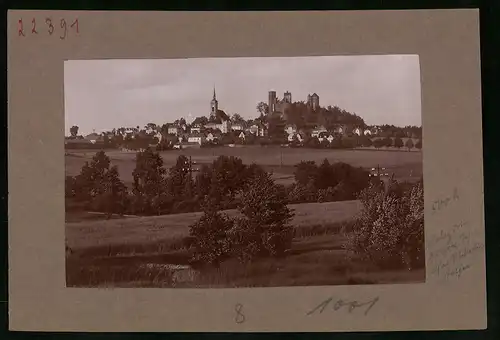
<point x="167" y="228"/>
<point x="150" y="252"/>
<point x="405" y="165"/>
<point x="316" y="260"/>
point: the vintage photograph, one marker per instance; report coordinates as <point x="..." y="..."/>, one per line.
<point x="244" y="172"/>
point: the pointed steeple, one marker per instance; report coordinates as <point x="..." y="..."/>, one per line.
<point x="214" y="94"/>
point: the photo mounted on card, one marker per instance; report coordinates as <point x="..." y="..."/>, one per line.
<point x="244" y="174"/>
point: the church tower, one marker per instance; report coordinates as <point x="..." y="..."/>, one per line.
<point x="214" y="105"/>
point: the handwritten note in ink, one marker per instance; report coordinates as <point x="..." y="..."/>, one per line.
<point x="451" y="249"/>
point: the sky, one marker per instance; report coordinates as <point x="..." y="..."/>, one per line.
<point x="100" y="95"/>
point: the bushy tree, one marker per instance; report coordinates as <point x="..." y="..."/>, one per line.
<point x="398" y="142"/>
<point x="74" y="131"/>
<point x="99" y="186"/>
<point x="263" y="230"/>
<point x="378" y="143"/>
<point x="209" y="235"/>
<point x="418" y="145"/>
<point x="114" y="198"/>
<point x="409" y="144"/>
<point x="305" y="171"/>
<point x="389" y="231"/>
<point x="366" y="141"/>
<point x="149" y="188"/>
<point x="228" y="176"/>
<point x="387" y="142"/>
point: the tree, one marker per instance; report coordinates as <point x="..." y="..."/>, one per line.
<point x="177" y="176"/>
<point x="99" y="186"/>
<point x="114" y="197"/>
<point x="387" y="141"/>
<point x="89" y="183"/>
<point x="389" y="231"/>
<point x="398" y="142"/>
<point x="366" y="141"/>
<point x="324" y="177"/>
<point x="418" y="145"/>
<point x="149" y="186"/>
<point x="151" y="126"/>
<point x="305" y="171"/>
<point x="227" y="176"/>
<point x="263" y="230"/>
<point x="263" y="108"/>
<point x="209" y="234"/>
<point x="409" y="144"/>
<point x="74" y="131"/>
<point x="378" y="143"/>
<point x="237" y="119"/>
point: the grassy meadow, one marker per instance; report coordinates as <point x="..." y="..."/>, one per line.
<point x="152" y="251"/>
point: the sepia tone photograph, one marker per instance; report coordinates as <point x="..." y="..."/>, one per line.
<point x="243" y="172"/>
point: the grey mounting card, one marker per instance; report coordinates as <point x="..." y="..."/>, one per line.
<point x="245" y="171"/>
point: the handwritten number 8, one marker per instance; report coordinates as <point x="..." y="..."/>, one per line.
<point x="240" y="318"/>
<point x="48" y="21"/>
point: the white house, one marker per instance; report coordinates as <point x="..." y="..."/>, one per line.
<point x="242" y="135"/>
<point x="322" y="136"/>
<point x="257" y="130"/>
<point x="93" y="137"/>
<point x="196" y="128"/>
<point x="159" y="136"/>
<point x="237" y="127"/>
<point x="290" y="129"/>
<point x="316" y="132"/>
<point x="196" y="138"/>
<point x="211" y="137"/>
<point x="339" y="130"/>
<point x="357" y="131"/>
<point x="173" y="130"/>
<point x="297" y="136"/>
<point x="367" y="132"/>
<point x="330" y="138"/>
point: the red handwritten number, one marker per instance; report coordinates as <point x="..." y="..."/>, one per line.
<point x="63" y="26"/>
<point x="33" y="29"/>
<point x="75" y="24"/>
<point x="48" y="21"/>
<point x="20" y="29"/>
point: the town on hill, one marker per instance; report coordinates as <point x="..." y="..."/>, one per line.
<point x="278" y="121"/>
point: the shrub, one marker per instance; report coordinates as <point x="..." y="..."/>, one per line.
<point x="263" y="230"/>
<point x="389" y="231"/>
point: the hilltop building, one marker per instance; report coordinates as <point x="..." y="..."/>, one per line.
<point x="313" y="101"/>
<point x="280" y="106"/>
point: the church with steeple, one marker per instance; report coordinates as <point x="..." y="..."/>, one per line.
<point x="218" y="118"/>
<point x="214" y="105"/>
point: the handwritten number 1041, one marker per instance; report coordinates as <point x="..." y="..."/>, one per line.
<point x="50" y="27"/>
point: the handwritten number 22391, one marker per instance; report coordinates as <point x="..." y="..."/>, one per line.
<point x="50" y="27"/>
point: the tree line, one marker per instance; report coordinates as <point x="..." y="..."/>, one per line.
<point x="157" y="190"/>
